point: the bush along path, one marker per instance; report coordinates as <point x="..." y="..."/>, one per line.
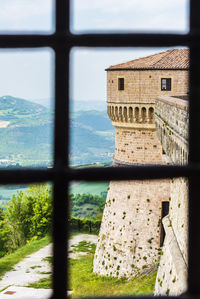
<point x="36" y="267"/>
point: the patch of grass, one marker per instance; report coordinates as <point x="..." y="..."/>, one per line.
<point x="1" y="290"/>
<point x="44" y="283"/>
<point x="34" y="267"/>
<point x="7" y="262"/>
<point x="48" y="259"/>
<point x="85" y="283"/>
<point x="84" y="246"/>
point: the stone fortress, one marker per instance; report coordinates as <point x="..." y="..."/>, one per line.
<point x="147" y="103"/>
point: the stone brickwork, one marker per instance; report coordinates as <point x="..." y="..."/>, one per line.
<point x="129" y="239"/>
<point x="144" y="86"/>
<point x="172" y="127"/>
<point x="172" y="272"/>
<point x="131" y="231"/>
<point x="137" y="145"/>
<point x="172" y="121"/>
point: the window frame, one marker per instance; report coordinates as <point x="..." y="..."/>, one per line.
<point x="62" y="41"/>
<point x="121" y="85"/>
<point x="168" y="84"/>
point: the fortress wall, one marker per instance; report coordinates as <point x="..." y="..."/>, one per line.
<point x="131" y="233"/>
<point x="142" y="86"/>
<point x="179" y="213"/>
<point x="172" y="121"/>
<point x="137" y="146"/>
<point x="172" y="272"/>
<point x="172" y="125"/>
<point x="129" y="238"/>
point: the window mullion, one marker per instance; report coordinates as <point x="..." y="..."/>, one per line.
<point x="194" y="151"/>
<point x="61" y="148"/>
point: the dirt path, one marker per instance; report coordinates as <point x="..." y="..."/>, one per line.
<point x="34" y="267"/>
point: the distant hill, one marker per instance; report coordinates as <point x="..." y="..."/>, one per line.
<point x="97" y="120"/>
<point x="87" y="105"/>
<point x="75" y="105"/>
<point x="26" y="132"/>
<point x="91" y="137"/>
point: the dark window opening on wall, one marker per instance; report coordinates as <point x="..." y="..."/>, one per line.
<point x="165" y="83"/>
<point x="164" y="212"/>
<point x="120" y="83"/>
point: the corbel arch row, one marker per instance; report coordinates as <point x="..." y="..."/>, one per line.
<point x="132" y="114"/>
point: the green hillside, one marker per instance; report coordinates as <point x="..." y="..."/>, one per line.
<point x="22" y="112"/>
<point x="89" y="188"/>
<point x="96" y="120"/>
<point x="26" y="132"/>
<point x="91" y="137"/>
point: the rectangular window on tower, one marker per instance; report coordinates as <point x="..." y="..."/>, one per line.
<point x="120" y="83"/>
<point x="166" y="84"/>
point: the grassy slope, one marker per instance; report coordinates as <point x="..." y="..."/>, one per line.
<point x="7" y="262"/>
<point x="85" y="283"/>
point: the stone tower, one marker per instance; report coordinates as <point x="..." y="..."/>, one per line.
<point x="131" y="233"/>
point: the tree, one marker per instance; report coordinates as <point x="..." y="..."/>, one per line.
<point x="28" y="214"/>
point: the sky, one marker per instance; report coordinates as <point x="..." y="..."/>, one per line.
<point x="29" y="73"/>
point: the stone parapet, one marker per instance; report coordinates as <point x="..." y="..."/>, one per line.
<point x="172" y="121"/>
<point x="172" y="272"/>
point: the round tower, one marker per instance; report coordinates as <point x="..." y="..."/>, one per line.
<point x="131" y="233"/>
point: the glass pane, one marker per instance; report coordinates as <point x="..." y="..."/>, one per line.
<point x="26" y="103"/>
<point x="27" y="16"/>
<point x="130" y="15"/>
<point x="128" y="238"/>
<point x="144" y="227"/>
<point x="147" y="127"/>
<point x="25" y="241"/>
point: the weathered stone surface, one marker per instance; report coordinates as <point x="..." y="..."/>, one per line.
<point x="172" y="130"/>
<point x="144" y="86"/>
<point x="129" y="238"/>
<point x="172" y="122"/>
<point x="172" y="272"/>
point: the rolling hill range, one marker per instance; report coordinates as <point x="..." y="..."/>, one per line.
<point x="26" y="134"/>
<point x="91" y="137"/>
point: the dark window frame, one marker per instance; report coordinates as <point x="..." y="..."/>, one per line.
<point x="61" y="174"/>
<point x="120" y="83"/>
<point x="168" y="84"/>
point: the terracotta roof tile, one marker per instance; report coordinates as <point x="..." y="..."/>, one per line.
<point x="170" y="59"/>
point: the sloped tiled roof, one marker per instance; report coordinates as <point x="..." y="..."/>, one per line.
<point x="170" y="59"/>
